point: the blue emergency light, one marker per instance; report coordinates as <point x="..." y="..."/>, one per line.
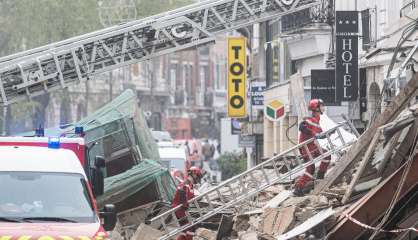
<point x="54" y="142"/>
<point x="79" y="130"/>
<point x="39" y="132"/>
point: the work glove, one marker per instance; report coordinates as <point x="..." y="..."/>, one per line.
<point x="319" y="136"/>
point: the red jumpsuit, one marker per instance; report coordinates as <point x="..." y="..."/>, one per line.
<point x="308" y="129"/>
<point x="184" y="193"/>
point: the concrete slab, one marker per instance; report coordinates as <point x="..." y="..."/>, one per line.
<point x="145" y="232"/>
<point x="308" y="224"/>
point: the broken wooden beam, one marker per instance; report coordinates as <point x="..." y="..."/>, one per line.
<point x="372" y="206"/>
<point x="391" y="112"/>
<point x="388" y="152"/>
<point x="276" y="221"/>
<point x="308" y="224"/>
<point x="145" y="232"/>
<point x="366" y="158"/>
<point x="225" y="227"/>
<point x="401" y="151"/>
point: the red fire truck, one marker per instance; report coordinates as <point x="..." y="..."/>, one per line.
<point x="48" y="190"/>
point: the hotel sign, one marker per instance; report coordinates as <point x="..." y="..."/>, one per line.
<point x="346" y="74"/>
<point x="323" y="86"/>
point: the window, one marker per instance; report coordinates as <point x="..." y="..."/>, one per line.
<point x="294" y="67"/>
<point x="58" y="195"/>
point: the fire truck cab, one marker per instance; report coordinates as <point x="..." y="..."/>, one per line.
<point x="47" y="193"/>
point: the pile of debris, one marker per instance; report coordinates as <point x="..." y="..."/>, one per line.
<point x="369" y="192"/>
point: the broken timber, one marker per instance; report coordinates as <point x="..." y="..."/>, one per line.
<point x="298" y="95"/>
<point x="363" y="164"/>
<point x="372" y="206"/>
<point x="402" y="150"/>
<point x="308" y="224"/>
<point x="391" y="112"/>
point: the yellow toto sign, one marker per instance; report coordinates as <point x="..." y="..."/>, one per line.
<point x="237" y="76"/>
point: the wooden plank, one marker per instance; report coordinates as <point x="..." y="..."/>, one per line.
<point x="373" y="205"/>
<point x="391" y="112"/>
<point x="276" y="221"/>
<point x="278" y="199"/>
<point x="364" y="186"/>
<point x="393" y="143"/>
<point x="308" y="224"/>
<point x="366" y="158"/>
<point x="225" y="227"/>
<point x="298" y="96"/>
<point x="145" y="232"/>
<point x="402" y="150"/>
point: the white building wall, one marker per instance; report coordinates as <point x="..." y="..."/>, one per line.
<point x="229" y="142"/>
<point x="385" y="12"/>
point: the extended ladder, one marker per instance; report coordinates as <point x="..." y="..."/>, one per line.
<point x="57" y="65"/>
<point x="272" y="171"/>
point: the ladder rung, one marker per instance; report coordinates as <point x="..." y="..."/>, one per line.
<point x="321" y="151"/>
<point x="298" y="157"/>
<point x="188" y="217"/>
<point x="164" y="225"/>
<point x="254" y="179"/>
<point x="221" y="197"/>
<point x="242" y="184"/>
<point x="341" y="136"/>
<point x="330" y="142"/>
<point x="173" y="215"/>
<point x="276" y="170"/>
<point x="196" y="203"/>
<point x="265" y="175"/>
<point x="305" y="146"/>
<point x="209" y="201"/>
<point x="231" y="191"/>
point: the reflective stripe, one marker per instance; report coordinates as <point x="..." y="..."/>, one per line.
<point x="66" y="238"/>
<point x="46" y="238"/>
<point x="312" y="123"/>
<point x="326" y="161"/>
<point x="309" y="175"/>
<point x="24" y="238"/>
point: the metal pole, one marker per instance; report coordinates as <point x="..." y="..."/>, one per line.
<point x="268" y="54"/>
<point x="110" y="85"/>
<point x="4" y="125"/>
<point x="375" y="26"/>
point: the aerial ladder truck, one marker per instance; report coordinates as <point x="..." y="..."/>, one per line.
<point x="55" y="66"/>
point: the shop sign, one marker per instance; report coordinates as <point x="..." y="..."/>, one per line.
<point x="237" y="76"/>
<point x="275" y="110"/>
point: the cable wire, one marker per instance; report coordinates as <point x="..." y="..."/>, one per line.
<point x="398" y="190"/>
<point x="408" y="30"/>
<point x="287" y="132"/>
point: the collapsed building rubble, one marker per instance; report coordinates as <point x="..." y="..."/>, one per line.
<point x="370" y="180"/>
<point x="350" y="201"/>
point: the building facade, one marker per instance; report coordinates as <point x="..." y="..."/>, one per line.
<point x="303" y="41"/>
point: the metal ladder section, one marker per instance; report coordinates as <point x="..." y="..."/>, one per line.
<point x="290" y="161"/>
<point x="55" y="66"/>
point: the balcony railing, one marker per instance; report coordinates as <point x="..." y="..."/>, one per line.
<point x="408" y="8"/>
<point x="297" y="20"/>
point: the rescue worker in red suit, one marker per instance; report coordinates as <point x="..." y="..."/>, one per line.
<point x="185" y="192"/>
<point x="310" y="128"/>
